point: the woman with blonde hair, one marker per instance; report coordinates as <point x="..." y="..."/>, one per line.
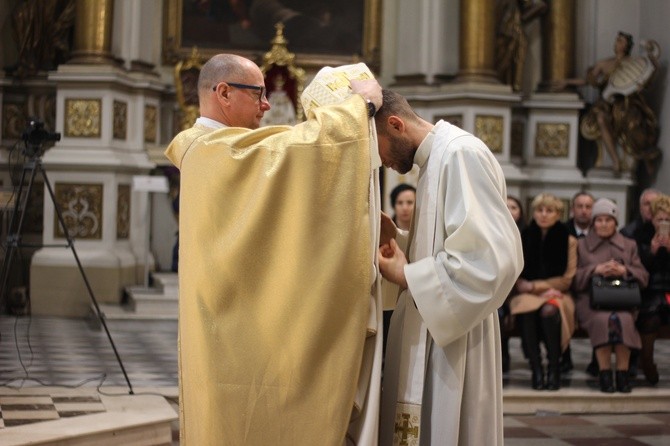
<point x="543" y="306"/>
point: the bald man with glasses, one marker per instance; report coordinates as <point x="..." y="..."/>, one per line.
<point x="231" y="92"/>
<point x="277" y="242"/>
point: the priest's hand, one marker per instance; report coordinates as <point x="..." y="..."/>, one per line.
<point x="369" y="89"/>
<point x="388" y="230"/>
<point x="392" y="263"/>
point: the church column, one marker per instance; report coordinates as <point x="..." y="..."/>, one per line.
<point x="133" y="35"/>
<point x="477" y="46"/>
<point x="558" y="61"/>
<point x="108" y="116"/>
<point x="93" y="32"/>
<point x="422" y="45"/>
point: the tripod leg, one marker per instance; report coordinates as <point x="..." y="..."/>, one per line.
<point x="15" y="227"/>
<point x="70" y="243"/>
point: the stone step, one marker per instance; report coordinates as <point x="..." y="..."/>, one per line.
<point x="151" y="300"/>
<point x="126" y="419"/>
<point x="116" y="313"/>
<point x="580" y="400"/>
<point x="167" y="282"/>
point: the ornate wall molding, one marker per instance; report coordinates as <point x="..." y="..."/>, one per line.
<point x="83" y="118"/>
<point x="150" y="123"/>
<point x="489" y="128"/>
<point x="552" y="140"/>
<point x="81" y="206"/>
<point x="120" y="126"/>
<point x="123" y="212"/>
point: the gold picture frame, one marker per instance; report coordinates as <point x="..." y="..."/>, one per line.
<point x="182" y="22"/>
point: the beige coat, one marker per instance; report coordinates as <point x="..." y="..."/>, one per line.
<point x="529" y="302"/>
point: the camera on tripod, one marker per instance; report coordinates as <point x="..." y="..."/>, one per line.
<point x="34" y="136"/>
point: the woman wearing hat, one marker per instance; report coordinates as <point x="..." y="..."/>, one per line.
<point x="605" y="252"/>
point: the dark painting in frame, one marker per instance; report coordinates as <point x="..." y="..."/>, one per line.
<point x="321" y="32"/>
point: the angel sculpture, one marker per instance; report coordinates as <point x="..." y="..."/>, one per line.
<point x="620" y="117"/>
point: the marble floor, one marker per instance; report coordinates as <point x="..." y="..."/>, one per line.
<point x="76" y="356"/>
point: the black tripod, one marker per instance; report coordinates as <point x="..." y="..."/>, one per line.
<point x="31" y="167"/>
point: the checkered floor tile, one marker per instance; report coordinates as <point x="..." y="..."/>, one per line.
<point x="588" y="430"/>
<point x="72" y="352"/>
<point x="16" y="410"/>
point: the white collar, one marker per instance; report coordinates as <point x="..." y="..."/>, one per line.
<point x="423" y="151"/>
<point x="581" y="231"/>
<point x="209" y="122"/>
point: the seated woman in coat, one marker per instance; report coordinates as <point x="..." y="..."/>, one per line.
<point x="605" y="252"/>
<point x="654" y="310"/>
<point x="542" y="304"/>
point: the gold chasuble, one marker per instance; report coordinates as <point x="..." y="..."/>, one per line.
<point x="274" y="278"/>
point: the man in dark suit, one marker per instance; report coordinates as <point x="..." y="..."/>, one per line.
<point x="640" y="229"/>
<point x="578" y="226"/>
<point x="580" y="211"/>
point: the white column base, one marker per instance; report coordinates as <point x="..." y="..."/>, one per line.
<point x="57" y="287"/>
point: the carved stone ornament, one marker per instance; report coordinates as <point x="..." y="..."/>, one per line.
<point x="551" y="140"/>
<point x="489" y="128"/>
<point x="13" y="121"/>
<point x="81" y="207"/>
<point x="123" y="212"/>
<point x="120" y="120"/>
<point x="150" y="123"/>
<point x="18" y="105"/>
<point x="82" y="118"/>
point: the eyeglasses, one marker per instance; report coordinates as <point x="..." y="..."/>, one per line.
<point x="259" y="88"/>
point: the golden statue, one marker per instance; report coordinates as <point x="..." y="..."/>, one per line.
<point x="511" y="41"/>
<point x="42" y="31"/>
<point x="186" y="73"/>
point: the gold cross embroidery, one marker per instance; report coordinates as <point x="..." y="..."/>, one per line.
<point x="405" y="430"/>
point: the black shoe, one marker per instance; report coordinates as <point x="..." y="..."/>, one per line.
<point x="566" y="361"/>
<point x="553" y="379"/>
<point x="622" y="381"/>
<point x="592" y="368"/>
<point x="537" y="380"/>
<point x="651" y="373"/>
<point x="606" y="384"/>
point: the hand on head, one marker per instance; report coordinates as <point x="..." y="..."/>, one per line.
<point x="369" y="89"/>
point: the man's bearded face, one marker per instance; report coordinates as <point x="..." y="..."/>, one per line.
<point x="397" y="152"/>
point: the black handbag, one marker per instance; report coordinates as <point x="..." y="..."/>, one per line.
<point x="614" y="293"/>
